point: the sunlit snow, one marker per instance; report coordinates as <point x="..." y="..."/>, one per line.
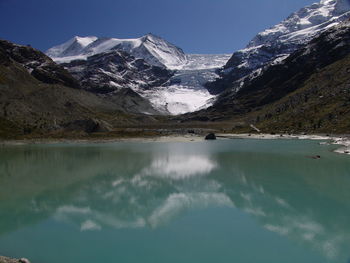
<point x="189" y="93"/>
<point x="184" y="92"/>
<point x="151" y="48"/>
<point x="178" y="99"/>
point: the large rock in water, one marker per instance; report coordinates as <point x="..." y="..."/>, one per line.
<point x="210" y="136"/>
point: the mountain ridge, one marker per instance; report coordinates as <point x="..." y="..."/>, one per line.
<point x="278" y="42"/>
<point x="108" y="81"/>
<point x="153" y="49"/>
<point x="306" y="92"/>
<point x="176" y="87"/>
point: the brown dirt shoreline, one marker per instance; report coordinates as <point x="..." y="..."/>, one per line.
<point x="189" y="136"/>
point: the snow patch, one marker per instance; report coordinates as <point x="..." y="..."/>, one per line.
<point x="153" y="49"/>
<point x="179" y="99"/>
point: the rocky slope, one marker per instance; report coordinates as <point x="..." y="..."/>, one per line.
<point x="276" y="43"/>
<point x="321" y="104"/>
<point x="39" y="96"/>
<point x="113" y="70"/>
<point x="37" y="64"/>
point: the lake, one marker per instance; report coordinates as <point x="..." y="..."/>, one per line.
<point x="241" y="201"/>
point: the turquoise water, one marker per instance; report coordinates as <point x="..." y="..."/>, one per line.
<point x="224" y="201"/>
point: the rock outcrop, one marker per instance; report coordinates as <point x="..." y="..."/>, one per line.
<point x="114" y="70"/>
<point x="210" y="136"/>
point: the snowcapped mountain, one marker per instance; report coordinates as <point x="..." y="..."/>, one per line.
<point x="276" y="43"/>
<point x="307" y="91"/>
<point x="114" y="70"/>
<point x="72" y="47"/>
<point x="304" y="24"/>
<point x="153" y="49"/>
<point x="151" y="66"/>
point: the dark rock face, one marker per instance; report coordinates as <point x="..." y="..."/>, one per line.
<point x="88" y="126"/>
<point x="115" y="75"/>
<point x="30" y="104"/>
<point x="233" y="72"/>
<point x="130" y="101"/>
<point x="210" y="136"/>
<point x="37" y="63"/>
<point x="111" y="71"/>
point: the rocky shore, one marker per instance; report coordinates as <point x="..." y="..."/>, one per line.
<point x="343" y="140"/>
<point x="12" y="260"/>
<point x="195" y="136"/>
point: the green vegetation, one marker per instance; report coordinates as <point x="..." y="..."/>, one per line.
<point x="320" y="105"/>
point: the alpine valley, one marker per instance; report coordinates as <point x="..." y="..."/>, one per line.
<point x="292" y="77"/>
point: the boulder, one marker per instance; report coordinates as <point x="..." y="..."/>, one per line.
<point x="210" y="136"/>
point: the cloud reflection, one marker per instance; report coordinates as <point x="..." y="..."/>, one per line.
<point x="177" y="203"/>
<point x="89" y="225"/>
<point x="176" y="166"/>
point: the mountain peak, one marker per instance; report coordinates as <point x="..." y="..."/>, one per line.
<point x="305" y="23"/>
<point x="85" y="41"/>
<point x="71" y="47"/>
<point x="152" y="37"/>
<point x="153" y="49"/>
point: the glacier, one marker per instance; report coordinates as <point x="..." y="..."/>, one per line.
<point x="185" y="91"/>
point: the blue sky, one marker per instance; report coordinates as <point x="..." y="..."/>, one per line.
<point x="197" y="26"/>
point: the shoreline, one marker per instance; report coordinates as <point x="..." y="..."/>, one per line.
<point x="166" y="138"/>
<point x="341" y="140"/>
<point x="13" y="260"/>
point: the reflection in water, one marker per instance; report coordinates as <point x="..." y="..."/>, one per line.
<point x="179" y="166"/>
<point x="123" y="187"/>
<point x="177" y="203"/>
<point x="151" y="197"/>
<point x="276" y="215"/>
